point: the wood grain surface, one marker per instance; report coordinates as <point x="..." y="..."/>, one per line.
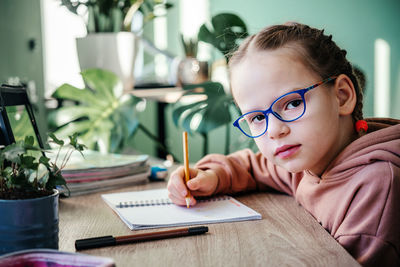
<point x="287" y="235"/>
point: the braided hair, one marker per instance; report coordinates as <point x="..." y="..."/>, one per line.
<point x="316" y="49"/>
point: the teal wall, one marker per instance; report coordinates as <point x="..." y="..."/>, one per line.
<point x="354" y="24"/>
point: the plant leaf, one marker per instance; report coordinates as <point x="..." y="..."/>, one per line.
<point x="45" y="161"/>
<point x="13" y="151"/>
<point x="55" y="178"/>
<point x="72" y="127"/>
<point x="227" y="29"/>
<point x="28" y="162"/>
<point x="67" y="114"/>
<point x="206" y="115"/>
<point x="114" y="118"/>
<point x="56" y="140"/>
<point x="69" y="92"/>
<point x="105" y="83"/>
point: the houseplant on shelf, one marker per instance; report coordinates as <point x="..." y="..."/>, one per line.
<point x="28" y="195"/>
<point x="103" y="116"/>
<point x="190" y="69"/>
<point x="111" y="41"/>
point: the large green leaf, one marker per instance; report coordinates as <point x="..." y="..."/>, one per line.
<point x="67" y="114"/>
<point x="227" y="29"/>
<point x="69" y="92"/>
<point x="205" y="115"/>
<point x="103" y="117"/>
<point x="104" y="83"/>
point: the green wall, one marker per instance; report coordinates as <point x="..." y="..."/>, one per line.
<point x="354" y="24"/>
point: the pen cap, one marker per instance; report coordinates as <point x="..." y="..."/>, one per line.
<point x="95" y="242"/>
<point x="197" y="230"/>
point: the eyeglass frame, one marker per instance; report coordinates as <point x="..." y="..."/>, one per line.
<point x="269" y="110"/>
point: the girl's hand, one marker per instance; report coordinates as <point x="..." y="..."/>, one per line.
<point x="202" y="183"/>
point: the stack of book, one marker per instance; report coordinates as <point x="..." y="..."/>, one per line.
<point x="94" y="172"/>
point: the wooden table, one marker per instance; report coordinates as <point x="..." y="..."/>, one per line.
<point x="287" y="235"/>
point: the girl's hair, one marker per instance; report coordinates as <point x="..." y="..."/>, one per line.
<point x="315" y="49"/>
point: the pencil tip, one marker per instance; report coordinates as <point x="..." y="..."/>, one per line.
<point x="187" y="202"/>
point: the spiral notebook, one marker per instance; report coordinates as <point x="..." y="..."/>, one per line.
<point x="153" y="209"/>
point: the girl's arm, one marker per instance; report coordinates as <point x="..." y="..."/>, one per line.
<point x="245" y="170"/>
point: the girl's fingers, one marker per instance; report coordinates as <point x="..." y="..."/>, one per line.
<point x="175" y="183"/>
<point x="177" y="189"/>
<point x="204" y="184"/>
<point x="179" y="200"/>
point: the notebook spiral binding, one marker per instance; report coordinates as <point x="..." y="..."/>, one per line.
<point x="161" y="202"/>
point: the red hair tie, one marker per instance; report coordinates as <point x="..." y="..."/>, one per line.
<point x="361" y="125"/>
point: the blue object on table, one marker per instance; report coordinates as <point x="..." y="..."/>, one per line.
<point x="158" y="173"/>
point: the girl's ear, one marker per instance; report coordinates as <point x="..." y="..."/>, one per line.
<point x="345" y="94"/>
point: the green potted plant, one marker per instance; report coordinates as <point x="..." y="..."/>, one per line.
<point x="28" y="194"/>
<point x="114" y="15"/>
<point x="190" y="69"/>
<point x="111" y="41"/>
<point x="103" y="116"/>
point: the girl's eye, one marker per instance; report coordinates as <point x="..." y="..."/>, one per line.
<point x="257" y="118"/>
<point x="294" y="104"/>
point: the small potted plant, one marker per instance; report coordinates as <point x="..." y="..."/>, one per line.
<point x="28" y="194"/>
<point x="112" y="39"/>
<point x="190" y="69"/>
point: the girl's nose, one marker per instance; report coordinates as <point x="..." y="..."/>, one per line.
<point x="276" y="128"/>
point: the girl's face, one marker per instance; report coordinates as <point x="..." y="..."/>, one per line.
<point x="309" y="143"/>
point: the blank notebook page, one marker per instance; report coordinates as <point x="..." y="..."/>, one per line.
<point x="153" y="209"/>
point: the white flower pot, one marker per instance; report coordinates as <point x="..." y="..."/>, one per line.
<point x="115" y="52"/>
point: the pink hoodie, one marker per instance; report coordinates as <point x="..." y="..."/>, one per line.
<point x="356" y="199"/>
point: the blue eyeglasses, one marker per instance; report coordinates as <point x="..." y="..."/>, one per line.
<point x="288" y="107"/>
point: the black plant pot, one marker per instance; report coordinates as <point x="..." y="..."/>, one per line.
<point x="29" y="223"/>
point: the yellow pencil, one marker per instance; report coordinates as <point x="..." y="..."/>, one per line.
<point x="186" y="165"/>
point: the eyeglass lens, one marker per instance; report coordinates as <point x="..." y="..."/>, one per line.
<point x="286" y="108"/>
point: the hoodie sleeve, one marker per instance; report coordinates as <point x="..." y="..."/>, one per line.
<point x="245" y="171"/>
<point x="369" y="230"/>
<point x="370" y="250"/>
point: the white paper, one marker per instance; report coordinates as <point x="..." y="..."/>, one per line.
<point x="139" y="210"/>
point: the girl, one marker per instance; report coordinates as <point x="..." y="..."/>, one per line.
<point x="302" y="104"/>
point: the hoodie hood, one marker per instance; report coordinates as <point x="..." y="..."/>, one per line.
<point x="381" y="143"/>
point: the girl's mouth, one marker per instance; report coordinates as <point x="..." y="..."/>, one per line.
<point x="286" y="151"/>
